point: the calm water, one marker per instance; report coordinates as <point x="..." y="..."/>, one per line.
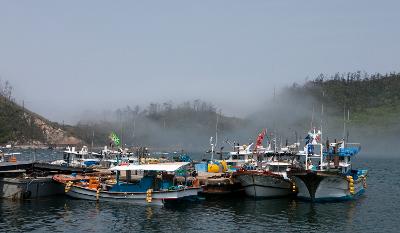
<point x="377" y="211"/>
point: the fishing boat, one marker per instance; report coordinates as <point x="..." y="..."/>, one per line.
<point x="74" y="158"/>
<point x="18" y="185"/>
<point x="215" y="175"/>
<point x="326" y="174"/>
<point x="7" y="155"/>
<point x="156" y="186"/>
<point x="268" y="180"/>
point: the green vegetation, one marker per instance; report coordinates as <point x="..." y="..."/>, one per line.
<point x="19" y="125"/>
<point x="185" y="125"/>
<point x="373" y="100"/>
<point x="15" y="123"/>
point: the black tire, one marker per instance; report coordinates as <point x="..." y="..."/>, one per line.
<point x="27" y="194"/>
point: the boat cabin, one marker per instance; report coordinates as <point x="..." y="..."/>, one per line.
<point x="153" y="176"/>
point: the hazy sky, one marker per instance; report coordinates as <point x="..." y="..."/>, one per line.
<point x="66" y="57"/>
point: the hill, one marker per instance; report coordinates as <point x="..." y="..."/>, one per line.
<point x="370" y="104"/>
<point x="183" y="126"/>
<point x="18" y="125"/>
<point x="372" y="100"/>
<point x="366" y="106"/>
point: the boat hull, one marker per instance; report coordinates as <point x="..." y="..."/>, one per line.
<point x="264" y="185"/>
<point x="315" y="186"/>
<point x="221" y="186"/>
<point x="157" y="197"/>
<point x="29" y="188"/>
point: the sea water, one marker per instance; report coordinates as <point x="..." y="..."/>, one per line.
<point x="378" y="210"/>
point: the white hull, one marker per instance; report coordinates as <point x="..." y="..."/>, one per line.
<point x="21" y="188"/>
<point x="157" y="198"/>
<point x="330" y="188"/>
<point x="258" y="185"/>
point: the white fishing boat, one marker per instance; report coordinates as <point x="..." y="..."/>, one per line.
<point x="156" y="187"/>
<point x="270" y="180"/>
<point x="327" y="174"/>
<point x="74" y="158"/>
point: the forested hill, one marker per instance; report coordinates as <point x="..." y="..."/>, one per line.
<point x="368" y="104"/>
<point x="370" y="100"/>
<point x="188" y="125"/>
<point x="358" y="91"/>
<point x="371" y="104"/>
<point x="21" y="126"/>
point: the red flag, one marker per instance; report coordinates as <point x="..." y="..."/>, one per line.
<point x="260" y="138"/>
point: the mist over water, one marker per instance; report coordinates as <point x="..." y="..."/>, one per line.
<point x="286" y="116"/>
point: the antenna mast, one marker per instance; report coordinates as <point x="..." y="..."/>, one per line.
<point x="312" y="118"/>
<point x="344" y="123"/>
<point x="216" y="131"/>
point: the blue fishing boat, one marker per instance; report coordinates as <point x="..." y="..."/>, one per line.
<point x="326" y="173"/>
<point x="156" y="186"/>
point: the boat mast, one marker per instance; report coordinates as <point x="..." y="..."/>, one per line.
<point x="212" y="148"/>
<point x="348" y="120"/>
<point x="344" y="122"/>
<point x="216" y="130"/>
<point x="92" y="140"/>
<point x="312" y="118"/>
<point x="133" y="131"/>
<point x="321" y="138"/>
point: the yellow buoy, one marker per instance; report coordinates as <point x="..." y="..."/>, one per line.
<point x="97" y="194"/>
<point x="149" y="195"/>
<point x="224" y="166"/>
<point x="68" y="186"/>
<point x="214" y="168"/>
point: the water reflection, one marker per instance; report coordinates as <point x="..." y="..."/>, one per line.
<point x="229" y="214"/>
<point x="238" y="214"/>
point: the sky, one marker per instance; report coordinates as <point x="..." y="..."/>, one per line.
<point x="65" y="58"/>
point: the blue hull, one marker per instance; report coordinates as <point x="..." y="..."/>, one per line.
<point x="334" y="199"/>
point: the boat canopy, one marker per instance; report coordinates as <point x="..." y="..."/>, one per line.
<point x="344" y="152"/>
<point x="278" y="163"/>
<point x="167" y="167"/>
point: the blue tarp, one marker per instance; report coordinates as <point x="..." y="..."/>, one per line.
<point x="201" y="167"/>
<point x="349" y="151"/>
<point x="145" y="183"/>
<point x="90" y="163"/>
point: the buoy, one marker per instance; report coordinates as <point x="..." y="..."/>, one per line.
<point x="351" y="185"/>
<point x="214" y="168"/>
<point x="196" y="183"/>
<point x="12" y="159"/>
<point x="364" y="179"/>
<point x="97" y="194"/>
<point x="149" y="195"/>
<point x="68" y="186"/>
<point x="224" y="166"/>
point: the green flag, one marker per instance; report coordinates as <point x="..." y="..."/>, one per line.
<point x="114" y="138"/>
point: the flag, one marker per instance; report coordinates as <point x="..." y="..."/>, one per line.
<point x="308" y="139"/>
<point x="260" y="138"/>
<point x="114" y="138"/>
